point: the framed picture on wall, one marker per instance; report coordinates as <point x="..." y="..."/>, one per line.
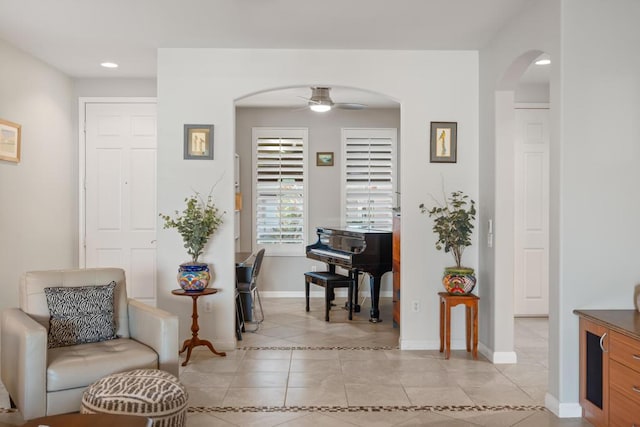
<point x="324" y="158"/>
<point x="10" y="141"/>
<point x="198" y="142"/>
<point x="444" y="142"/>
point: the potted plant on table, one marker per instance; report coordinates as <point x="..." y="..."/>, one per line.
<point x="196" y="224"/>
<point x="453" y="223"/>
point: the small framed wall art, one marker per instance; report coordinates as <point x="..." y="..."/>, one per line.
<point x="444" y="142"/>
<point x="198" y="142"/>
<point x="324" y="158"/>
<point x="10" y="141"/>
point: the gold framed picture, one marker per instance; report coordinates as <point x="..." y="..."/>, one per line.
<point x="198" y="142"/>
<point x="324" y="158"/>
<point x="10" y="141"/>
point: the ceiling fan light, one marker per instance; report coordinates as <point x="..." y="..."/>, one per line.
<point x="320" y="108"/>
<point x="320" y="101"/>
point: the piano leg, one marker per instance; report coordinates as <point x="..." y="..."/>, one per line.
<point x="306" y="294"/>
<point x="332" y="270"/>
<point x="356" y="291"/>
<point x="374" y="284"/>
<point x="352" y="304"/>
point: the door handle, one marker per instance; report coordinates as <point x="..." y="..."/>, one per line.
<point x="604" y="350"/>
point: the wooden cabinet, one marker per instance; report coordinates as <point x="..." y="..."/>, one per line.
<point x="610" y="367"/>
<point x="594" y="370"/>
<point x="624" y="380"/>
<point x="396" y="270"/>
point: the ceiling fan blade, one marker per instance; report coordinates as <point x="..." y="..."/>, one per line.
<point x="320" y="96"/>
<point x="306" y="107"/>
<point x="349" y="106"/>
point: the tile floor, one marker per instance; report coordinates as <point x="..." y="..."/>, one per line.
<point x="298" y="370"/>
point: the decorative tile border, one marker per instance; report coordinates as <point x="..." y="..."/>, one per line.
<point x="388" y="347"/>
<point x="426" y="408"/>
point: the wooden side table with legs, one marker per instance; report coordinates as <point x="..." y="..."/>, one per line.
<point x="447" y="301"/>
<point x="195" y="341"/>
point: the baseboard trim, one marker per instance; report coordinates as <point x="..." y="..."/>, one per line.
<point x="419" y="345"/>
<point x="498" y="357"/>
<point x="562" y="410"/>
<point x="430" y="345"/>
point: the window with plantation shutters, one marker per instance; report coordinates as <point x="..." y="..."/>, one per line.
<point x="280" y="190"/>
<point x="368" y="177"/>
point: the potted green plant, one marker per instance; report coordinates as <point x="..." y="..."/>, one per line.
<point x="453" y="224"/>
<point x="196" y="224"/>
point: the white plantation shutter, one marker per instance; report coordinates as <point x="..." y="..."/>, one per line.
<point x="368" y="177"/>
<point x="280" y="190"/>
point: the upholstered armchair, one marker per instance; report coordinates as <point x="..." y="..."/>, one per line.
<point x="45" y="379"/>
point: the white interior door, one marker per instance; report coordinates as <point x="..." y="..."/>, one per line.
<point x="531" y="261"/>
<point x="120" y="192"/>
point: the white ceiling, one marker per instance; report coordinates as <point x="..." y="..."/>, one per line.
<point x="75" y="36"/>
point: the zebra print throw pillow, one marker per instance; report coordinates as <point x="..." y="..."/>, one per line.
<point x="80" y="314"/>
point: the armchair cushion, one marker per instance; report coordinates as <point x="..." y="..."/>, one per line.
<point x="80" y="365"/>
<point x="80" y="314"/>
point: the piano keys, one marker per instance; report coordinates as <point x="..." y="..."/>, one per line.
<point x="359" y="251"/>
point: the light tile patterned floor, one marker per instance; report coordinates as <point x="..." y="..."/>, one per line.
<point x="299" y="370"/>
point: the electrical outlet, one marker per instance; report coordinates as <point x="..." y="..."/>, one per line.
<point x="415" y="306"/>
<point x="208" y="306"/>
<point x="314" y="268"/>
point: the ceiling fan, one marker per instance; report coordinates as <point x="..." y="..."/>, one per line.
<point x="321" y="101"/>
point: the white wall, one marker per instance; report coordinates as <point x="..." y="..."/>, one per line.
<point x="502" y="62"/>
<point x="594" y="197"/>
<point x="115" y="87"/>
<point x="431" y="86"/>
<point x="532" y="92"/>
<point x="284" y="273"/>
<point x="600" y="173"/>
<point x="38" y="196"/>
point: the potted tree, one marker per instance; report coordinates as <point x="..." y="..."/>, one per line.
<point x="196" y="224"/>
<point x="453" y="223"/>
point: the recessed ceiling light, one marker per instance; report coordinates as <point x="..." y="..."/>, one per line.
<point x="543" y="62"/>
<point x="109" y="65"/>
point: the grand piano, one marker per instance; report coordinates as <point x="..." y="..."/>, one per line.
<point x="357" y="250"/>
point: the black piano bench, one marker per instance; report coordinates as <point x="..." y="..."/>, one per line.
<point x="329" y="281"/>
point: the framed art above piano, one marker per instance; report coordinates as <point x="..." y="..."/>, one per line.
<point x="324" y="158"/>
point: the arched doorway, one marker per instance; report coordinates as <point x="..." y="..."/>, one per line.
<point x="287" y="108"/>
<point x="513" y="198"/>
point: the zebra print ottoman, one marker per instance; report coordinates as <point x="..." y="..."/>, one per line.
<point x="150" y="393"/>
